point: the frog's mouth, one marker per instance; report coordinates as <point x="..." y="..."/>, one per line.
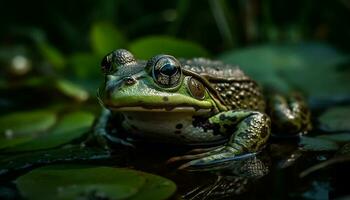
<point x="158" y="104"/>
<point x="183" y="109"/>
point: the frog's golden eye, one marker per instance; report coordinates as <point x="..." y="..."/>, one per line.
<point x="196" y="88"/>
<point x="166" y="71"/>
<point x="116" y="58"/>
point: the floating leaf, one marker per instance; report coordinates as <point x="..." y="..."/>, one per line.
<point x="10" y="164"/>
<point x="85" y="182"/>
<point x="317" y="144"/>
<point x="156" y="187"/>
<point x="105" y="38"/>
<point x="339" y="137"/>
<point x="309" y="67"/>
<point x="20" y="123"/>
<point x="147" y="47"/>
<point x="336" y="119"/>
<point x="72" y="90"/>
<point x="72" y="126"/>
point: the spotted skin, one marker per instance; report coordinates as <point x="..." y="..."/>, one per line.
<point x="248" y="132"/>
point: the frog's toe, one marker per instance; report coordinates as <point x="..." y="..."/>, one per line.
<point x="207" y="163"/>
<point x="203" y="150"/>
<point x="215" y="161"/>
<point x="195" y="154"/>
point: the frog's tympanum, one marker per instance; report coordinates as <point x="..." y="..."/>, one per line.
<point x="196" y="102"/>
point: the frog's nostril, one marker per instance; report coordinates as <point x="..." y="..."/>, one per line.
<point x="129" y="80"/>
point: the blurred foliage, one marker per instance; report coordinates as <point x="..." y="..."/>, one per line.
<point x="50" y="52"/>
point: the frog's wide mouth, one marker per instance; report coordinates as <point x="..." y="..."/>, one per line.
<point x="187" y="109"/>
<point x="171" y="103"/>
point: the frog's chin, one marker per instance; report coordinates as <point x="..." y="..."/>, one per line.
<point x="183" y="109"/>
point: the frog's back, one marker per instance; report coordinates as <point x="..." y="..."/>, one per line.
<point x="236" y="89"/>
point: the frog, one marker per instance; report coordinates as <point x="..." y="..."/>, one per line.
<point x="212" y="107"/>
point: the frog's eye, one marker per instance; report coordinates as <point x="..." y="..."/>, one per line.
<point x="116" y="58"/>
<point x="196" y="88"/>
<point x="166" y="71"/>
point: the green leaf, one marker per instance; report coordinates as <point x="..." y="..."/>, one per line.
<point x="52" y="55"/>
<point x="308" y="67"/>
<point x="339" y="137"/>
<point x="147" y="47"/>
<point x="85" y="65"/>
<point x="20" y="123"/>
<point x="336" y="119"/>
<point x="105" y="38"/>
<point x="85" y="182"/>
<point x="72" y="90"/>
<point x="71" y="126"/>
<point x="156" y="187"/>
<point x="317" y="144"/>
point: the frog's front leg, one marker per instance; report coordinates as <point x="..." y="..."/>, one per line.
<point x="100" y="133"/>
<point x="249" y="131"/>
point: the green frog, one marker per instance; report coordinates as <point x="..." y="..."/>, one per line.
<point x="198" y="102"/>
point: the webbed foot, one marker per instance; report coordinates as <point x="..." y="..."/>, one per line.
<point x="214" y="159"/>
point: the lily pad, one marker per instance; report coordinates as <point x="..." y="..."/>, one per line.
<point x="70" y="127"/>
<point x="147" y="47"/>
<point x="21" y="123"/>
<point x="336" y="119"/>
<point x="90" y="182"/>
<point x="317" y="144"/>
<point x="339" y="137"/>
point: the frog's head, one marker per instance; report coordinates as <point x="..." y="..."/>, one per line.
<point x="160" y="84"/>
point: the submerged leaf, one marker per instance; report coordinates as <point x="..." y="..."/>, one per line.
<point x="147" y="47"/>
<point x="91" y="182"/>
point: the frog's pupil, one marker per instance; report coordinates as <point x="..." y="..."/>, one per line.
<point x="168" y="69"/>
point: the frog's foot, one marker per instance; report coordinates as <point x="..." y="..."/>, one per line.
<point x="249" y="132"/>
<point x="290" y="115"/>
<point x="216" y="159"/>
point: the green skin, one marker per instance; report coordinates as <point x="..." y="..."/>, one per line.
<point x="193" y="110"/>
